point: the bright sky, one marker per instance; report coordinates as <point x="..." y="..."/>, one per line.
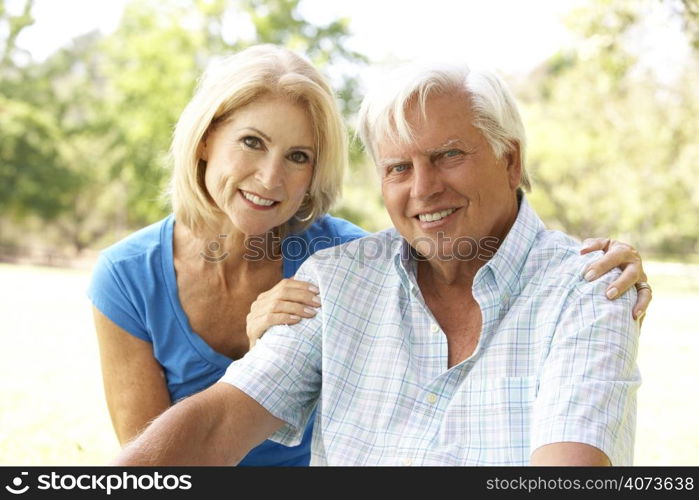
<point x="512" y="36"/>
<point x="507" y="34"/>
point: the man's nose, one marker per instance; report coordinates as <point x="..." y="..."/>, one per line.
<point x="270" y="172"/>
<point x="426" y="180"/>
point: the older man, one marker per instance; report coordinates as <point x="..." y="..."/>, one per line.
<point x="464" y="336"/>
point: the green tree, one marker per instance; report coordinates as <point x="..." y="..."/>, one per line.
<point x="613" y="148"/>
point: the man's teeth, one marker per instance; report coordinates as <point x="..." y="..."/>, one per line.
<point x="257" y="200"/>
<point x="436" y="216"/>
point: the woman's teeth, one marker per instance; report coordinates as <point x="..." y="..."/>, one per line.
<point x="257" y="200"/>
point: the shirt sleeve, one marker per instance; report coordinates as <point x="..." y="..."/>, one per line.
<point x="283" y="371"/>
<point x="113" y="298"/>
<point x="589" y="380"/>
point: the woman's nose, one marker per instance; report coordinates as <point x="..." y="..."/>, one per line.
<point x="271" y="172"/>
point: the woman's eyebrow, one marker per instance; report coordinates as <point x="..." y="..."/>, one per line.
<point x="269" y="139"/>
<point x="257" y="131"/>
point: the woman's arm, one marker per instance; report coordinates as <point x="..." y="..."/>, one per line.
<point x="134" y="384"/>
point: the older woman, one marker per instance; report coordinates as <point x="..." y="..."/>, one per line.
<point x="258" y="155"/>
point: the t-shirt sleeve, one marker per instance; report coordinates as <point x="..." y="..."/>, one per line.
<point x="588" y="384"/>
<point x="283" y="371"/>
<point x="110" y="294"/>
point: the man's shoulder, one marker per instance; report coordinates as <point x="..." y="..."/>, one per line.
<point x="557" y="255"/>
<point x="368" y="254"/>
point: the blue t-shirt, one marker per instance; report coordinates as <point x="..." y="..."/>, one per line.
<point x="134" y="285"/>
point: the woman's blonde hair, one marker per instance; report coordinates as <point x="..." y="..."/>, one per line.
<point x="233" y="82"/>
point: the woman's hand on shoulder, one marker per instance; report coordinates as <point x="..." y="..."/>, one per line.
<point x="286" y="303"/>
<point x="628" y="259"/>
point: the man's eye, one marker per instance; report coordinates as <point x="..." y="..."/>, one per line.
<point x="397" y="169"/>
<point x="252" y="142"/>
<point x="452" y="153"/>
<point x="299" y="157"/>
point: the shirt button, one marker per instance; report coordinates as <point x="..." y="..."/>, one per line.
<point x="435" y="328"/>
<point x="431" y="398"/>
<point x="408" y="461"/>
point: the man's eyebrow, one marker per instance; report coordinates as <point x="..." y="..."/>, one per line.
<point x="387" y="162"/>
<point x="448" y="144"/>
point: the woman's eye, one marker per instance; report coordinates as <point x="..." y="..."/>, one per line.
<point x="299" y="157"/>
<point x="252" y="142"/>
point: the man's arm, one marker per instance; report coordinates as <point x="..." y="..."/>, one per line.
<point x="217" y="426"/>
<point x="585" y="410"/>
<point x="578" y="454"/>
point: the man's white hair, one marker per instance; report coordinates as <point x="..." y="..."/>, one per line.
<point x="383" y="112"/>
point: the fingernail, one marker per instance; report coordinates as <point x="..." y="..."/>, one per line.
<point x="590" y="275"/>
<point x="612" y="292"/>
<point x="313" y="289"/>
<point x="310" y="311"/>
<point x="294" y="317"/>
<point x="316" y="300"/>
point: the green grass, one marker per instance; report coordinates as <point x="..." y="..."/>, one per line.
<point x="52" y="410"/>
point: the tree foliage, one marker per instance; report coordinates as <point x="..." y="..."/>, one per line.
<point x="613" y="147"/>
<point x="85" y="133"/>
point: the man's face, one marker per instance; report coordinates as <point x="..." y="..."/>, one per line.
<point x="446" y="189"/>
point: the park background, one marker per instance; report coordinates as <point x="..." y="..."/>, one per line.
<point x="90" y="92"/>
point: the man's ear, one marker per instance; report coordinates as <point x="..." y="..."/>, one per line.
<point x="514" y="165"/>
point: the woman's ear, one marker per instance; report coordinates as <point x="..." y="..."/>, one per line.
<point x="202" y="151"/>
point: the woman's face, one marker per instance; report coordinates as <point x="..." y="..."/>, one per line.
<point x="260" y="163"/>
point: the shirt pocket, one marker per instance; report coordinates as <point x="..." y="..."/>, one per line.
<point x="489" y="420"/>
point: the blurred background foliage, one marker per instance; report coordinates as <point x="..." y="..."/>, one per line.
<point x="84" y="134"/>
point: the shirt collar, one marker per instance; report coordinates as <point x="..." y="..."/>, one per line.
<point x="405" y="262"/>
<point x="506" y="264"/>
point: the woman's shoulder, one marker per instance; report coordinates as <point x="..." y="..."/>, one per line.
<point x="139" y="244"/>
<point x="340" y="230"/>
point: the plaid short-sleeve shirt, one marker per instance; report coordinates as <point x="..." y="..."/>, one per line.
<point x="555" y="361"/>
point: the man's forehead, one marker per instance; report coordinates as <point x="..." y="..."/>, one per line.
<point x="445" y="119"/>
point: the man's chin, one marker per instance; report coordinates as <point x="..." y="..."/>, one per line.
<point x="445" y="248"/>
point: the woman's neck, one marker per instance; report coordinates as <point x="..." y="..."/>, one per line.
<point x="225" y="249"/>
